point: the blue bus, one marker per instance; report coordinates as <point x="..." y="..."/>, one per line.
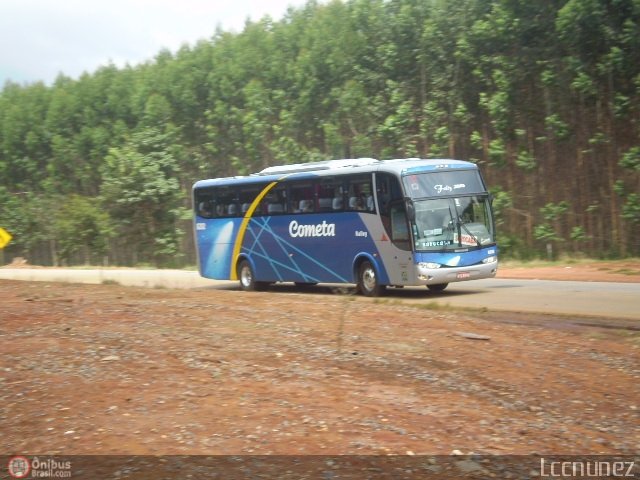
<point x="373" y="223"/>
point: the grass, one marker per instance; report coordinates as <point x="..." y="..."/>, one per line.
<point x="626" y="271"/>
<point x="632" y="337"/>
<point x="432" y="305"/>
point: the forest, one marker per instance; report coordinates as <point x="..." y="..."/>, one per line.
<point x="543" y="95"/>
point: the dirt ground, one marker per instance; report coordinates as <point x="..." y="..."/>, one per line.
<point x="625" y="271"/>
<point x="104" y="369"/>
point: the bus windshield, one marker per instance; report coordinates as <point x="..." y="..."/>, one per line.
<point x="444" y="224"/>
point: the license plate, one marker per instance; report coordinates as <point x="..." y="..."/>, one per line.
<point x="463" y="275"/>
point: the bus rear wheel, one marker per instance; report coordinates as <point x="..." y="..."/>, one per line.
<point x="368" y="283"/>
<point x="247" y="278"/>
<point x="438" y="287"/>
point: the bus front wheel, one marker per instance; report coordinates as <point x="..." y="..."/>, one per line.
<point x="438" y="287"/>
<point x="247" y="278"/>
<point x="368" y="282"/>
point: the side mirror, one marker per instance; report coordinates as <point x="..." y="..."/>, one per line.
<point x="411" y="210"/>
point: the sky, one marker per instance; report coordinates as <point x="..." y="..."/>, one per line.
<point x="41" y="38"/>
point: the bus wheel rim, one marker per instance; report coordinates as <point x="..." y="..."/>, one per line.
<point x="245" y="276"/>
<point x="369" y="279"/>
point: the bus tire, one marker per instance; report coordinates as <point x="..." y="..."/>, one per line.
<point x="368" y="283"/>
<point x="438" y="287"/>
<point x="247" y="278"/>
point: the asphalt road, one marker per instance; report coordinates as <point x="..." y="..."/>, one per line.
<point x="599" y="299"/>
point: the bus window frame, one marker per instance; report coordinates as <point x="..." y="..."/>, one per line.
<point x="327" y="195"/>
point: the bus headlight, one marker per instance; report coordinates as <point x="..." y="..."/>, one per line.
<point x="429" y="265"/>
<point x="490" y="260"/>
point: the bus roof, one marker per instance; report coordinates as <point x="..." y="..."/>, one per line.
<point x="398" y="166"/>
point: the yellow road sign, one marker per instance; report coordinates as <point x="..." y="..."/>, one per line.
<point x="5" y="237"/>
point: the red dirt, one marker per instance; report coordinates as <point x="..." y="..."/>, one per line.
<point x="104" y="369"/>
<point x="626" y="271"/>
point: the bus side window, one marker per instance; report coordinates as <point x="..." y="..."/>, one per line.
<point x="392" y="210"/>
<point x="232" y="210"/>
<point x="204" y="203"/>
<point x="246" y="196"/>
<point x="337" y="203"/>
<point x="399" y="229"/>
<point x="330" y="195"/>
<point x="360" y="194"/>
<point x="224" y="202"/>
<point x="301" y="197"/>
<point x="205" y="209"/>
<point x="274" y="202"/>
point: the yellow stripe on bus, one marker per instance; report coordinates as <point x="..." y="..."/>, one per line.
<point x="233" y="275"/>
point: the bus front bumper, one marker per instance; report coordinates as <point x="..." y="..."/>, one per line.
<point x="427" y="275"/>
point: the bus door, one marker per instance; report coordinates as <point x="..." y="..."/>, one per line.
<point x="394" y="242"/>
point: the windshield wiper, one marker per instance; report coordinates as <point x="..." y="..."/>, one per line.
<point x="460" y="223"/>
<point x="464" y="225"/>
